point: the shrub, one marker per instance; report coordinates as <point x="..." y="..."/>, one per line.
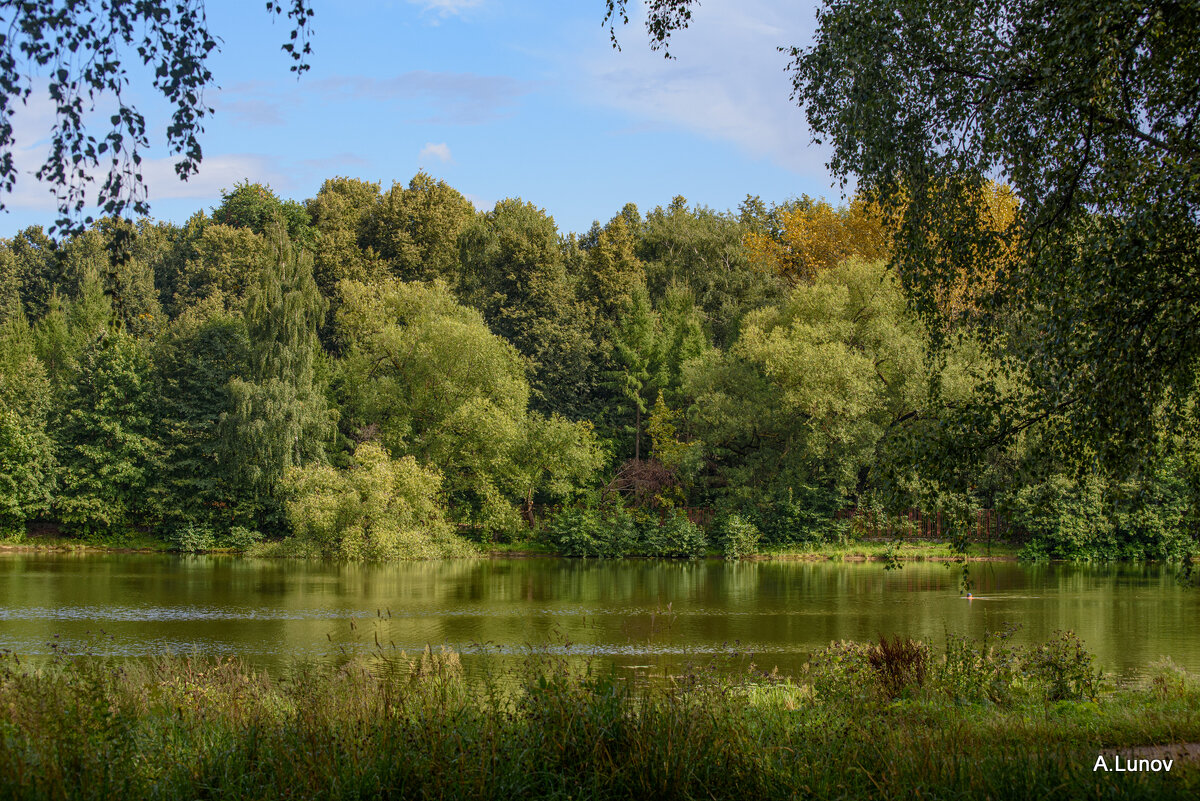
<point x="194" y="537"/>
<point x="615" y="531"/>
<point x="805" y="516"/>
<point x="842" y="672"/>
<point x="1064" y="669"/>
<point x="240" y="538"/>
<point x="592" y="532"/>
<point x="988" y="670"/>
<point x="736" y="536"/>
<point x="1097" y="518"/>
<point x="574" y="532"/>
<point x="378" y="508"/>
<point x="899" y="664"/>
<point x="677" y="536"/>
<point x="618" y="533"/>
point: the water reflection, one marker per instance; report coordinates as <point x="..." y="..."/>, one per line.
<point x="662" y="614"/>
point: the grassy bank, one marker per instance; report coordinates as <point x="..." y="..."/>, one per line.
<point x="880" y="550"/>
<point x="854" y="550"/>
<point x="889" y="720"/>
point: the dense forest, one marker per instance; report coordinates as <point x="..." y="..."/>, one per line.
<point x="391" y="373"/>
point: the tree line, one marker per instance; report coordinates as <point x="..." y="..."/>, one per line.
<point x="377" y="373"/>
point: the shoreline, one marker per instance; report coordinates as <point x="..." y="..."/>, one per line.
<point x="867" y="552"/>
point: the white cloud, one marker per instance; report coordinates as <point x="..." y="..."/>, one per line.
<point x="461" y="98"/>
<point x="439" y="151"/>
<point x="447" y="8"/>
<point x="727" y="80"/>
<point x="216" y="173"/>
<point x="254" y="104"/>
<point x="478" y="201"/>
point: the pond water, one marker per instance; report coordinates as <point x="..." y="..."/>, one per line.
<point x="653" y="615"/>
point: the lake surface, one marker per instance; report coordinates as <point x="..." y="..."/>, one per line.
<point x="652" y="615"/>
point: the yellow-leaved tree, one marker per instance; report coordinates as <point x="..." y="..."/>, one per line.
<point x="803" y="238"/>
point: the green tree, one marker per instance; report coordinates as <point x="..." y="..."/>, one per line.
<point x="559" y="459"/>
<point x="194" y="363"/>
<point x="636" y="376"/>
<point x="31" y="259"/>
<point x="682" y="336"/>
<point x="217" y="261"/>
<point x="377" y="508"/>
<point x="809" y="390"/>
<point x="611" y="271"/>
<point x="66" y="328"/>
<point x="256" y="207"/>
<point x="514" y="273"/>
<point x="415" y="229"/>
<point x="705" y="251"/>
<point x="126" y="280"/>
<point x="425" y="372"/>
<point x="27" y="464"/>
<point x="103" y="426"/>
<point x="339" y="212"/>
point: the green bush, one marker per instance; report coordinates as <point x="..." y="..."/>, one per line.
<point x="842" y="672"/>
<point x="378" y="508"/>
<point x="677" y="536"/>
<point x="1064" y="518"/>
<point x="736" y="536"/>
<point x="804" y="516"/>
<point x="241" y="538"/>
<point x="1098" y="518"/>
<point x="970" y="671"/>
<point x="1064" y="669"/>
<point x="614" y="531"/>
<point x="575" y="532"/>
<point x="194" y="537"/>
<point x="592" y="532"/>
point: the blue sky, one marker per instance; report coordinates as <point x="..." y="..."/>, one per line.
<point x="500" y="98"/>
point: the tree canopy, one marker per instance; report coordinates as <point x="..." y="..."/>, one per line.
<point x="1088" y="111"/>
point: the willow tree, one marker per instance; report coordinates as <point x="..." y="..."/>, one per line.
<point x="279" y="416"/>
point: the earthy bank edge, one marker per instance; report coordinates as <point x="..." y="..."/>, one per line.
<point x="862" y="552"/>
<point x="876" y="720"/>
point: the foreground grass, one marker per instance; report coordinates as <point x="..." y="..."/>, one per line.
<point x="867" y="721"/>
